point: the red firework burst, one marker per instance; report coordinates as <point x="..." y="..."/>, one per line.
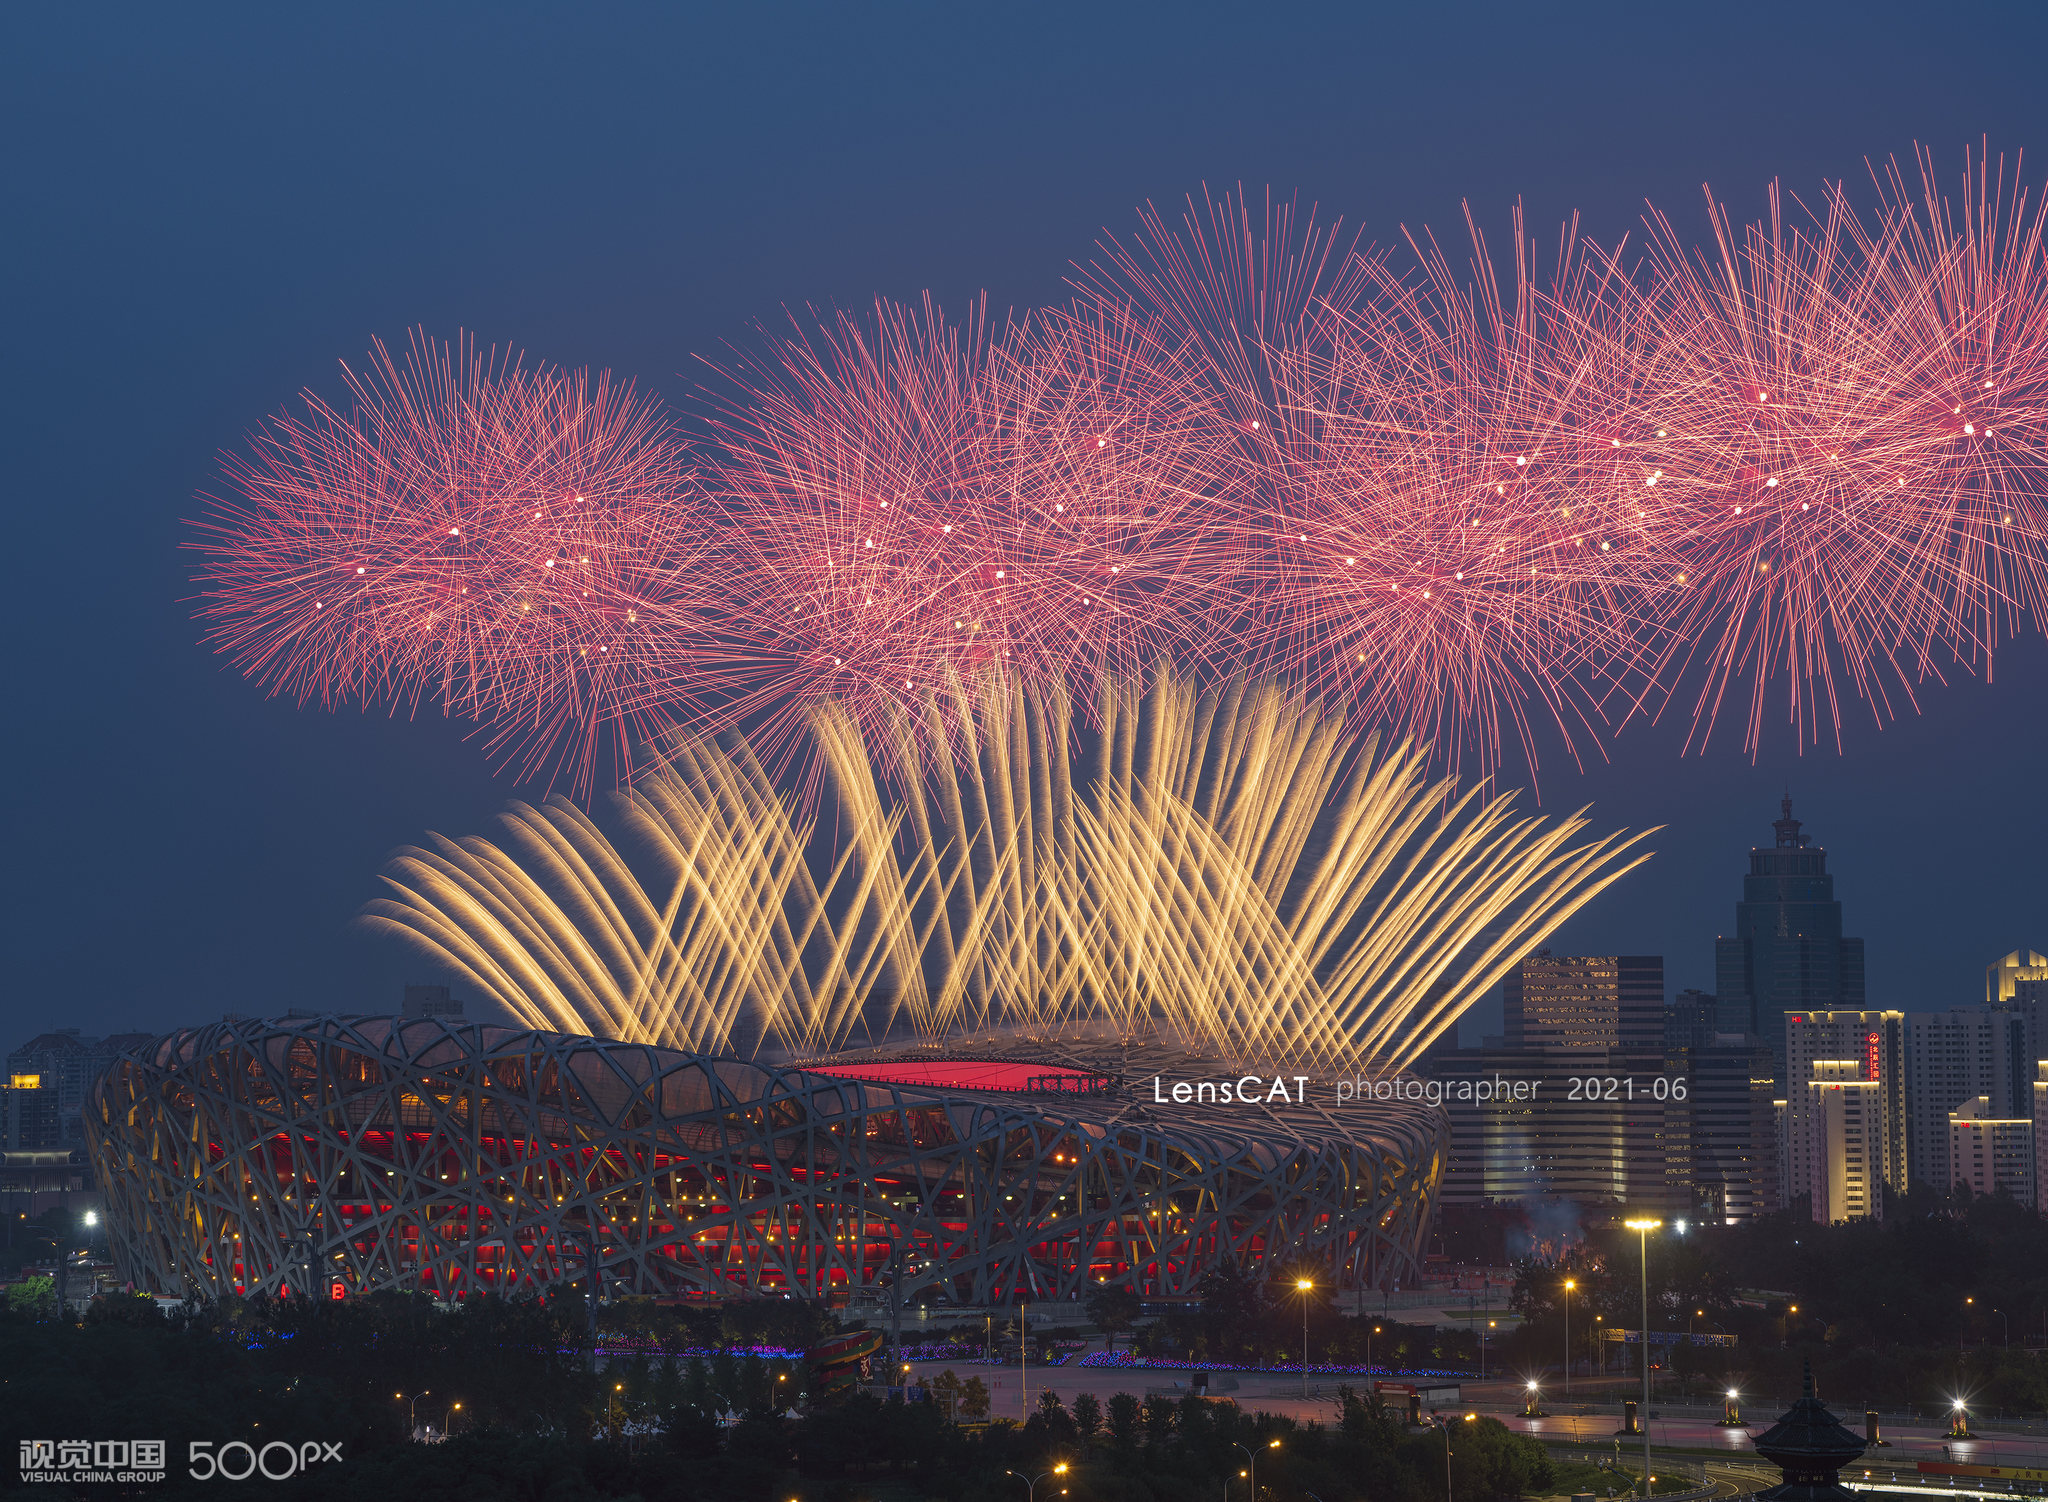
<point x="509" y="544"/>
<point x="1113" y="506"/>
<point x="1815" y="454"/>
<point x="1454" y="543"/>
<point x="1854" y="422"/>
<point x="854" y="469"/>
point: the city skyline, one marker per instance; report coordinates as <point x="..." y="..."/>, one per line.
<point x="821" y="751"/>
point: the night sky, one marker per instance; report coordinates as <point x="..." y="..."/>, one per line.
<point x="207" y="208"/>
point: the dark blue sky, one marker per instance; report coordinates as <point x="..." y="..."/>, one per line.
<point x="207" y="207"/>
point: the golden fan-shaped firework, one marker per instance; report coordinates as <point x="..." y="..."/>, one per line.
<point x="1231" y="866"/>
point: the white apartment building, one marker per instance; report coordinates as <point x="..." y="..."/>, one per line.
<point x="1992" y="1154"/>
<point x="2041" y="1136"/>
<point x="1874" y="1043"/>
<point x="1953" y="1057"/>
<point x="1844" y="1146"/>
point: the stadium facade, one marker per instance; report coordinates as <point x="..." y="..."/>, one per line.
<point x="334" y="1156"/>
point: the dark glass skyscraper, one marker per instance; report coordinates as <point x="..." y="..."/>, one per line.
<point x="1787" y="953"/>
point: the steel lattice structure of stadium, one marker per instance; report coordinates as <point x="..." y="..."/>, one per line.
<point x="340" y="1155"/>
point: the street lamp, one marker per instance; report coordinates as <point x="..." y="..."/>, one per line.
<point x="412" y="1417"/>
<point x="1031" y="1482"/>
<point x="1999" y="1312"/>
<point x="1303" y="1286"/>
<point x="1568" y="1285"/>
<point x="1251" y="1466"/>
<point x="1529" y="1408"/>
<point x="1643" y="1228"/>
<point x="1368" y="1347"/>
<point x="1445" y="1425"/>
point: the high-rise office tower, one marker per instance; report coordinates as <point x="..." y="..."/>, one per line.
<point x="2002" y="978"/>
<point x="1781" y="1123"/>
<point x="1953" y="1057"/>
<point x="1575" y="1003"/>
<point x="2030" y="1004"/>
<point x="1692" y="1018"/>
<point x="2018" y="984"/>
<point x="1730" y="1080"/>
<point x="1875" y="1042"/>
<point x="1990" y="1153"/>
<point x="29" y="1119"/>
<point x="67" y="1063"/>
<point x="1573" y="1023"/>
<point x="1787" y="953"/>
<point x="430" y="1001"/>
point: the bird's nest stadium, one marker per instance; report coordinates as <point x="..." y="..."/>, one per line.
<point x="335" y="1156"/>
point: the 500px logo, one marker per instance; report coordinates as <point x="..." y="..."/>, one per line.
<point x="276" y="1461"/>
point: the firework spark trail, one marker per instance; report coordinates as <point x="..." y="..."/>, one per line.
<point x="1814" y="455"/>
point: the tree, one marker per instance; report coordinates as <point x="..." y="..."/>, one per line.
<point x="1113" y="1308"/>
<point x="974" y="1398"/>
<point x="1087" y="1415"/>
<point x="1125" y="1416"/>
<point x="1492" y="1461"/>
<point x="1358" y="1416"/>
<point x="123" y="1309"/>
<point x="1231" y="1296"/>
<point x="1158" y="1421"/>
<point x="33" y="1299"/>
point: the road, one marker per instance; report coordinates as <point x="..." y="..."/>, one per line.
<point x="1592" y="1424"/>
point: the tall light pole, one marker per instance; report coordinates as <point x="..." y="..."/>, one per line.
<point x="1446" y="1425"/>
<point x="1567" y="1340"/>
<point x="1024" y="1361"/>
<point x="1643" y="1228"/>
<point x="896" y="1301"/>
<point x="1031" y="1482"/>
<point x="1251" y="1466"/>
<point x="1303" y="1286"/>
<point x="412" y="1407"/>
